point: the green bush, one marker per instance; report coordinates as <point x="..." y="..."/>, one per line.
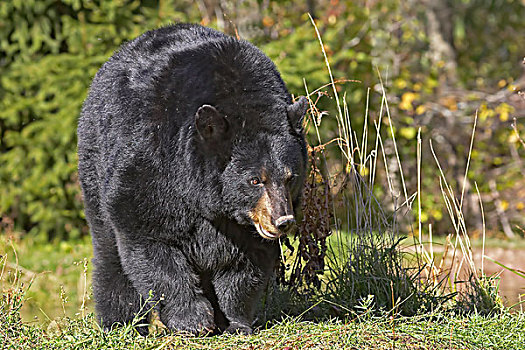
<point x="38" y="172"/>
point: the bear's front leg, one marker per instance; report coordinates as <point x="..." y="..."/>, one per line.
<point x="238" y="291"/>
<point x="165" y="271"/>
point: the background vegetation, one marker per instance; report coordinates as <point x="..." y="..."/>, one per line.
<point x="440" y="61"/>
<point x="401" y="69"/>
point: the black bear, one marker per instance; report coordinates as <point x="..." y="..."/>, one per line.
<point x="191" y="162"/>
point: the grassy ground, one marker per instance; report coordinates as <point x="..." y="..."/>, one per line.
<point x="59" y="275"/>
<point x="438" y="332"/>
<point x="56" y="272"/>
<point x="56" y="298"/>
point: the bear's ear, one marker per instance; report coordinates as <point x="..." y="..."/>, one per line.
<point x="211" y="125"/>
<point x="296" y="112"/>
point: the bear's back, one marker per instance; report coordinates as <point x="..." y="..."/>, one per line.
<point x="166" y="74"/>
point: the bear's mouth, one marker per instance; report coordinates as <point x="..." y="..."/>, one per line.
<point x="264" y="233"/>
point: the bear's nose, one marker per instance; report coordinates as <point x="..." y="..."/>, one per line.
<point x="285" y="223"/>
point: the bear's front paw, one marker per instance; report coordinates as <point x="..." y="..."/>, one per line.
<point x="195" y="318"/>
<point x="238" y="328"/>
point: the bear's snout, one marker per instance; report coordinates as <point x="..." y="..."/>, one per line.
<point x="285" y="223"/>
<point x="273" y="214"/>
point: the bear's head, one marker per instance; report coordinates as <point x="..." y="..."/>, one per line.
<point x="265" y="168"/>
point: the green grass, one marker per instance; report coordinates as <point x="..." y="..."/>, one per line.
<point x="66" y="328"/>
<point x="506" y="331"/>
<point x="55" y="271"/>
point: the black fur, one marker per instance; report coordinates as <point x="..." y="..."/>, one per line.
<point x="178" y="126"/>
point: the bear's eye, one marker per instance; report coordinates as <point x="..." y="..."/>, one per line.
<point x="255" y="181"/>
<point x="290" y="178"/>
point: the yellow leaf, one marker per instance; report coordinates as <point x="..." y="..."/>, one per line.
<point x="437" y="214"/>
<point x="504" y="205"/>
<point x="502" y="83"/>
<point x="363" y="170"/>
<point x="406" y="101"/>
<point x="503" y="110"/>
<point x="408" y="133"/>
<point x="485" y="112"/>
<point x="421" y="109"/>
<point x="520" y="206"/>
<point x="401" y="83"/>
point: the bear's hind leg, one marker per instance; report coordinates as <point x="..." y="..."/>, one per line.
<point x="117" y="302"/>
<point x="165" y="273"/>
